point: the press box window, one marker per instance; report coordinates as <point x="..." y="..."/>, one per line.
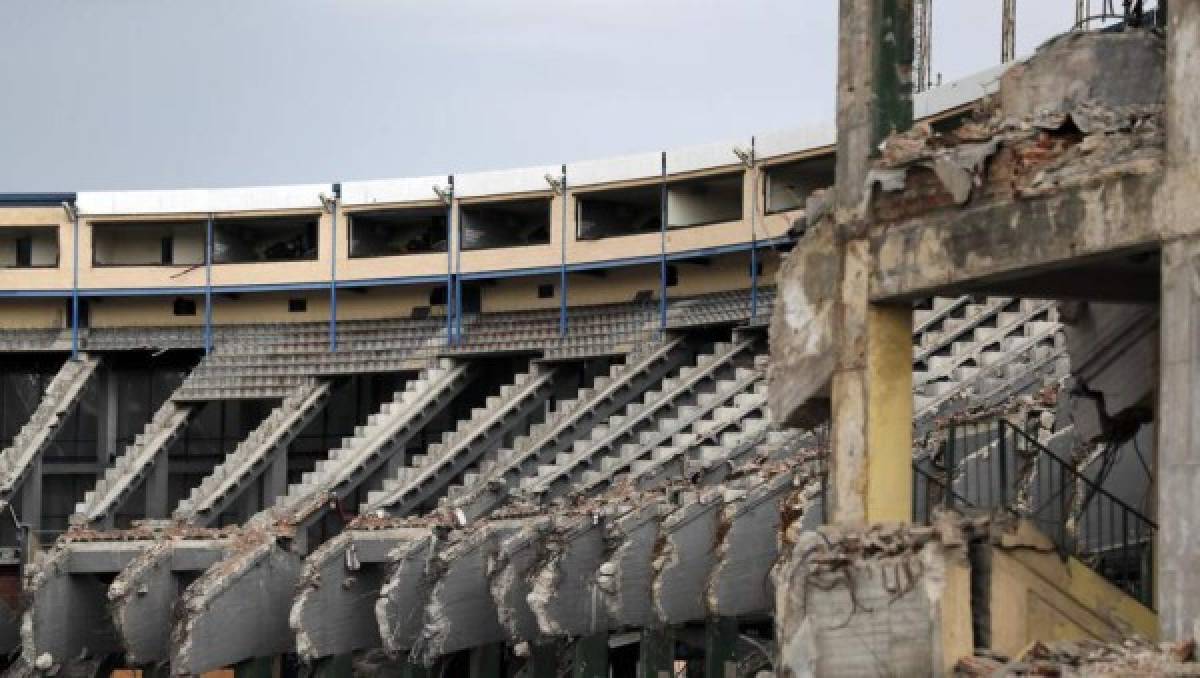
<point x="297" y="305"/>
<point x="788" y="185"/>
<point x="32" y="247"/>
<point x="545" y="291"/>
<point x="185" y="306"/>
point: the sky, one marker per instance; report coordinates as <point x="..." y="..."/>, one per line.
<point x="137" y="94"/>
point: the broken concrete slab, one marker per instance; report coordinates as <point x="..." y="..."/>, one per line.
<point x="566" y="596"/>
<point x="400" y="609"/>
<point x="238" y="609"/>
<point x="684" y="556"/>
<point x="509" y="580"/>
<point x="461" y="612"/>
<point x="630" y="542"/>
<point x="749" y="533"/>
<point x="334" y="611"/>
<point x="66" y="617"/>
<point x="143" y="596"/>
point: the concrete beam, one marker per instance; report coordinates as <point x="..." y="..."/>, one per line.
<point x="632" y="540"/>
<point x="334" y="612"/>
<point x="517" y="558"/>
<point x="238" y="609"/>
<point x="400" y="609"/>
<point x="749" y="529"/>
<point x="461" y="612"/>
<point x="566" y="596"/>
<point x="685" y="556"/>
<point x="142" y="598"/>
<point x="67" y="616"/>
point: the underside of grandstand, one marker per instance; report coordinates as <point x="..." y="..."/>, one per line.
<point x="516" y="423"/>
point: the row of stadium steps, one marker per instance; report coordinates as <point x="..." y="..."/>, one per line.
<point x="59" y="399"/>
<point x="714" y="377"/>
<point x="254" y="455"/>
<point x="473" y="443"/>
<point x="101" y="503"/>
<point x="967" y="349"/>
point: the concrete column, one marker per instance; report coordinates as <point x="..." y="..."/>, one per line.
<point x="1178" y="464"/>
<point x="543" y="661"/>
<point x="275" y="478"/>
<point x="656" y="654"/>
<point x="412" y="669"/>
<point x="337" y="666"/>
<point x="157" y="487"/>
<point x="591" y="656"/>
<point x="259" y="667"/>
<point x="720" y="647"/>
<point x="485" y="661"/>
<point x="31" y="496"/>
<point x="106" y="421"/>
<point x="1177" y="580"/>
<point x="871" y="389"/>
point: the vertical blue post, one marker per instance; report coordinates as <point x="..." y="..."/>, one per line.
<point x="753" y="232"/>
<point x="73" y="210"/>
<point x="458" y="309"/>
<point x="449" y="198"/>
<point x="662" y="267"/>
<point x="208" y="260"/>
<point x="562" y="273"/>
<point x="333" y="250"/>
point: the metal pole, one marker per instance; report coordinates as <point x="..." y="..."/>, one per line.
<point x="662" y="268"/>
<point x="458" y="308"/>
<point x="208" y="257"/>
<point x="753" y="233"/>
<point x="449" y="198"/>
<point x="74" y="282"/>
<point x="562" y="282"/>
<point x="333" y="251"/>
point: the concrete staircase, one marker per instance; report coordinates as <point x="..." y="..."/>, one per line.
<point x="966" y="348"/>
<point x="733" y="403"/>
<point x="57" y="402"/>
<point x="675" y="398"/>
<point x="254" y="454"/>
<point x="122" y="478"/>
<point x="374" y="442"/>
<point x="476" y="437"/>
<point x="480" y="490"/>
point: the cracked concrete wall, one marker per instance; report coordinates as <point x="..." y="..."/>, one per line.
<point x="399" y="611"/>
<point x="685" y="554"/>
<point x="567" y="597"/>
<point x="878" y="601"/>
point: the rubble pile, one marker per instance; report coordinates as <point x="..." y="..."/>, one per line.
<point x="1132" y="657"/>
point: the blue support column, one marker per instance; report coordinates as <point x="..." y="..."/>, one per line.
<point x="562" y="277"/>
<point x="208" y="260"/>
<point x="73" y="210"/>
<point x="333" y="249"/>
<point x="662" y="267"/>
<point x="753" y="232"/>
<point x="448" y="197"/>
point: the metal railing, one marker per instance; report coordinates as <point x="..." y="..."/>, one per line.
<point x="993" y="464"/>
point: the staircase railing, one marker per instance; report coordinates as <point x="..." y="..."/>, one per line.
<point x="992" y="465"/>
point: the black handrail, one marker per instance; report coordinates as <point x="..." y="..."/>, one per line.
<point x="995" y="465"/>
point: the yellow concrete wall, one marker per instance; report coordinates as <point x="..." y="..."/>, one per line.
<point x="33" y="314"/>
<point x="1036" y="595"/>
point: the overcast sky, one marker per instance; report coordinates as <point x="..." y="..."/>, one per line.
<point x="167" y="94"/>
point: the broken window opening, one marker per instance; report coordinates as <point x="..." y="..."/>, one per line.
<point x="383" y="233"/>
<point x="788" y="185"/>
<point x="31" y="247"/>
<point x="148" y="243"/>
<point x="511" y="223"/>
<point x="703" y="201"/>
<point x="618" y="211"/>
<point x="254" y="239"/>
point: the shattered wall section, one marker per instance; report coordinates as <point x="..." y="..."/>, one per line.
<point x="885" y="600"/>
